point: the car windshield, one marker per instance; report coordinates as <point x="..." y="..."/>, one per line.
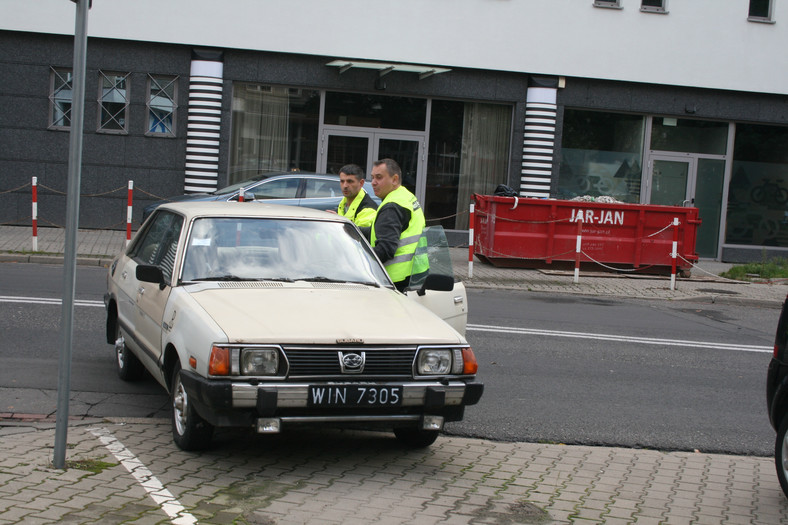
<point x="258" y="248"/>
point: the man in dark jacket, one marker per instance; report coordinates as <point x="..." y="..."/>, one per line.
<point x="399" y="223"/>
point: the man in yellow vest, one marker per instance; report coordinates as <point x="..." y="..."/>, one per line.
<point x="399" y="223"/>
<point x="356" y="205"/>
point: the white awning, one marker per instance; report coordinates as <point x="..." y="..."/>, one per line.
<point x="384" y="68"/>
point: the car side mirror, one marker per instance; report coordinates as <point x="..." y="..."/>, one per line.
<point x="148" y="273"/>
<point x="437" y="282"/>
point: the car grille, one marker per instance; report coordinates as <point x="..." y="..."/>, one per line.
<point x="323" y="361"/>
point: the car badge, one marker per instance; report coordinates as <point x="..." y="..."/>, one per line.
<point x="352" y="362"/>
<point x="350" y="341"/>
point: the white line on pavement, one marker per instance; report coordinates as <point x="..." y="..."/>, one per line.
<point x="47" y="300"/>
<point x="145" y="477"/>
<point x="621" y="338"/>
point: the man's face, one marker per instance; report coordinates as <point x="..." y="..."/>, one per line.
<point x="350" y="185"/>
<point x="383" y="182"/>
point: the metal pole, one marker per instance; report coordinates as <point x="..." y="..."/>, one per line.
<point x="72" y="222"/>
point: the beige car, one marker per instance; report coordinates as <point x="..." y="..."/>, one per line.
<point x="269" y="317"/>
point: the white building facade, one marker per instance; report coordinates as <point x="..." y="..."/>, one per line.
<point x="647" y="101"/>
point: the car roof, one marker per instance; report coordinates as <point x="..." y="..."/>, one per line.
<point x="289" y="175"/>
<point x="192" y="209"/>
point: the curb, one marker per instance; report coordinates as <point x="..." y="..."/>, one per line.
<point x="82" y="260"/>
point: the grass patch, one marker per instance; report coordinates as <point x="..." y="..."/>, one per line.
<point x="90" y="465"/>
<point x="766" y="270"/>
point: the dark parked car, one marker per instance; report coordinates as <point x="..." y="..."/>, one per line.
<point x="309" y="190"/>
<point x="777" y="397"/>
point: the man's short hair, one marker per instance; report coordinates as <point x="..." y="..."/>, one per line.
<point x="354" y="170"/>
<point x="391" y="166"/>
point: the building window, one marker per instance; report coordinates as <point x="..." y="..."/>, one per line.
<point x="468" y="153"/>
<point x="615" y="4"/>
<point x="760" y="11"/>
<point x="375" y="111"/>
<point x="601" y="154"/>
<point x="275" y="128"/>
<point x="60" y="93"/>
<point x="757" y="212"/>
<point x="113" y="102"/>
<point x="689" y="135"/>
<point x="162" y="103"/>
<point x="654" y="6"/>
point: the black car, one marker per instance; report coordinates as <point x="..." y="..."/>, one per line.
<point x="309" y="190"/>
<point x="777" y="397"/>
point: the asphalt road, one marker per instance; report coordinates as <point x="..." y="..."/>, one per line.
<point x="557" y="368"/>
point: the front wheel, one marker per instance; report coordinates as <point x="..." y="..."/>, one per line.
<point x="189" y="430"/>
<point x="128" y="366"/>
<point x="416" y="437"/>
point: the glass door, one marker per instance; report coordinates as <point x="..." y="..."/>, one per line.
<point x="346" y="149"/>
<point x="407" y="153"/>
<point x="668" y="180"/>
<point x="707" y="196"/>
<point x="364" y="147"/>
<point x="694" y="181"/>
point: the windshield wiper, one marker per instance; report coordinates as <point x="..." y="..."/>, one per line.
<point x="227" y="277"/>
<point x="321" y="279"/>
<point x="230" y="277"/>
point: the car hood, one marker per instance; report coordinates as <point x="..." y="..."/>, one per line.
<point x="308" y="313"/>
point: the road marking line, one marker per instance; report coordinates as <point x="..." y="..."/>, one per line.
<point x="620" y="338"/>
<point x="145" y="477"/>
<point x="47" y="300"/>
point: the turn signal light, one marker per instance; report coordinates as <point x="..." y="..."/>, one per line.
<point x="470" y="366"/>
<point x="219" y="363"/>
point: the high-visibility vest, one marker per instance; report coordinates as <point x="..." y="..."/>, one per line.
<point x="405" y="261"/>
<point x="365" y="217"/>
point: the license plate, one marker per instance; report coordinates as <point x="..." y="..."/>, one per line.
<point x="354" y="396"/>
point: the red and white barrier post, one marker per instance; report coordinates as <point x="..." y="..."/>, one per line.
<point x="470" y="243"/>
<point x="35" y="214"/>
<point x="674" y="254"/>
<point x="578" y="248"/>
<point x="128" y="212"/>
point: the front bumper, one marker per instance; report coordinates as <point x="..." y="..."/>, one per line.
<point x="224" y="403"/>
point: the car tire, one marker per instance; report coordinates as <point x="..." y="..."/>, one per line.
<point x="781" y="455"/>
<point x="189" y="430"/>
<point x="129" y="366"/>
<point x="416" y="437"/>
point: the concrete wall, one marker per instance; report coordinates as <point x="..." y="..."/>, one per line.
<point x="698" y="43"/>
<point x="109" y="160"/>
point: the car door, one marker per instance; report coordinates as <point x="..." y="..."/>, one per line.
<point x="151" y="298"/>
<point x="451" y="306"/>
<point x="142" y="250"/>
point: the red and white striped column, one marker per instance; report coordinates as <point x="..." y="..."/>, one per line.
<point x="674" y="254"/>
<point x="128" y="211"/>
<point x="470" y="243"/>
<point x="578" y="248"/>
<point x="35" y="214"/>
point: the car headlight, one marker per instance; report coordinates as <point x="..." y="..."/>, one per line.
<point x="434" y="361"/>
<point x="259" y="361"/>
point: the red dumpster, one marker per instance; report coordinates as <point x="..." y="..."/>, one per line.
<point x="524" y="232"/>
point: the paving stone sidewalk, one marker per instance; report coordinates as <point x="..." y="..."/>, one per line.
<point x="359" y="478"/>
